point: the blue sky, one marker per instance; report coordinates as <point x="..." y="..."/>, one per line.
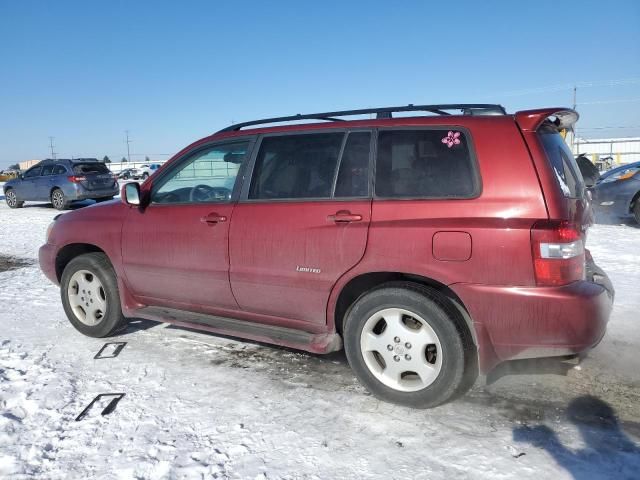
<point x="173" y="72"/>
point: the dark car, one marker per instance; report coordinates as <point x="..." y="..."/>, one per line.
<point x="589" y="171"/>
<point x="425" y="247"/>
<point x="128" y="173"/>
<point x="62" y="182"/>
<point x="617" y="193"/>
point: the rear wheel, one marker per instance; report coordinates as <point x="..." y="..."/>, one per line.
<point x="11" y="199"/>
<point x="58" y="200"/>
<point x="406" y="345"/>
<point x="90" y="295"/>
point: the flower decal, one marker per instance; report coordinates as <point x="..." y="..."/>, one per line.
<point x="452" y="139"/>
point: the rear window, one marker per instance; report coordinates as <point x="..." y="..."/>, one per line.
<point x="88" y="168"/>
<point x="564" y="165"/>
<point x="425" y="163"/>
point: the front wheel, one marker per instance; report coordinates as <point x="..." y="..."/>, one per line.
<point x="636" y="210"/>
<point x="11" y="199"/>
<point x="406" y="345"/>
<point x="90" y="295"/>
<point x="145" y="175"/>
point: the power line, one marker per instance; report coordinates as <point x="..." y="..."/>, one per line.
<point x="567" y="86"/>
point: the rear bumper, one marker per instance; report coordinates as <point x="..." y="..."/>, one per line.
<point x="81" y="193"/>
<point x="47" y="260"/>
<point x="530" y="322"/>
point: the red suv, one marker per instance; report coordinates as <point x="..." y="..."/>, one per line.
<point x="431" y="247"/>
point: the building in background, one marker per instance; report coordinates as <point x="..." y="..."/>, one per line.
<point x="28" y="164"/>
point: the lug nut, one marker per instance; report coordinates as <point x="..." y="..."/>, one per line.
<point x="397" y="339"/>
<point x="408" y="345"/>
<point x="396" y="358"/>
<point x="389" y="347"/>
<point x="407" y="357"/>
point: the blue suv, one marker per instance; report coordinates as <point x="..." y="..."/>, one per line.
<point x="61" y="182"/>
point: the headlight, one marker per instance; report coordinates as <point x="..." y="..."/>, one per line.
<point x="50" y="227"/>
<point x="49" y="231"/>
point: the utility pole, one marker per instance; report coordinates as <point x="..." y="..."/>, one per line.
<point x="128" y="142"/>
<point x="53" y="154"/>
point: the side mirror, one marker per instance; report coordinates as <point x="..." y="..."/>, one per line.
<point x="130" y="194"/>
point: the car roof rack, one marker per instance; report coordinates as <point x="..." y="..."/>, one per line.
<point x="384" y="112"/>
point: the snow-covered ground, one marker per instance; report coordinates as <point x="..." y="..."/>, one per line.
<point x="202" y="406"/>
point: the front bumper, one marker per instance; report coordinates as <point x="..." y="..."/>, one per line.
<point x="530" y="322"/>
<point x="47" y="260"/>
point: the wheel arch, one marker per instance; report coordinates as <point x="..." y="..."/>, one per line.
<point x="363" y="283"/>
<point x="71" y="251"/>
<point x="633" y="201"/>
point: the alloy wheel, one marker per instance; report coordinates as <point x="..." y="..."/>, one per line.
<point x="87" y="297"/>
<point x="401" y="349"/>
<point x="12" y="200"/>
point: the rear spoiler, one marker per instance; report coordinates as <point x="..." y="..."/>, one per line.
<point x="530" y="120"/>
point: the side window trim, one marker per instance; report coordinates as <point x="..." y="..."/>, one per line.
<point x="475" y="166"/>
<point x="336" y="172"/>
<point x="239" y="183"/>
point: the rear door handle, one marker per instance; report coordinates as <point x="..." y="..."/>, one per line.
<point x="213" y="219"/>
<point x="344" y="216"/>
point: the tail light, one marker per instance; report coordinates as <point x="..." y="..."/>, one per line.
<point x="76" y="179"/>
<point x="558" y="253"/>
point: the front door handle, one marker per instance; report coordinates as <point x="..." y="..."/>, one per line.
<point x="344" y="216"/>
<point x="213" y="219"/>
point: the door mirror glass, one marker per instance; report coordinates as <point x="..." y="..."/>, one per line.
<point x="130" y="193"/>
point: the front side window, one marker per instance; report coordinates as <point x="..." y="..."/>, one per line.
<point x="32" y="172"/>
<point x="425" y="163"/>
<point x="208" y="176"/>
<point x="296" y="166"/>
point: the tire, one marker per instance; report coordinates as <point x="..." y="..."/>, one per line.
<point x="58" y="200"/>
<point x="408" y="344"/>
<point x="95" y="309"/>
<point x="11" y="199"/>
<point x="636" y="210"/>
<point x="145" y="175"/>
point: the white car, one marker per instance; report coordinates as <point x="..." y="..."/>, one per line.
<point x="146" y="170"/>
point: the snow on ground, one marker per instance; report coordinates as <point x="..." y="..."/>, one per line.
<point x="203" y="406"/>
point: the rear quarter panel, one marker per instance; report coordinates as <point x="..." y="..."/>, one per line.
<point x="498" y="220"/>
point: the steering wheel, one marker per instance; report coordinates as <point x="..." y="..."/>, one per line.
<point x="205" y="193"/>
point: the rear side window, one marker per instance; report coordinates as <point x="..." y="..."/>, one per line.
<point x="425" y="163"/>
<point x="87" y="168"/>
<point x="59" y="170"/>
<point x="561" y="159"/>
<point x="296" y="166"/>
<point x="47" y="170"/>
